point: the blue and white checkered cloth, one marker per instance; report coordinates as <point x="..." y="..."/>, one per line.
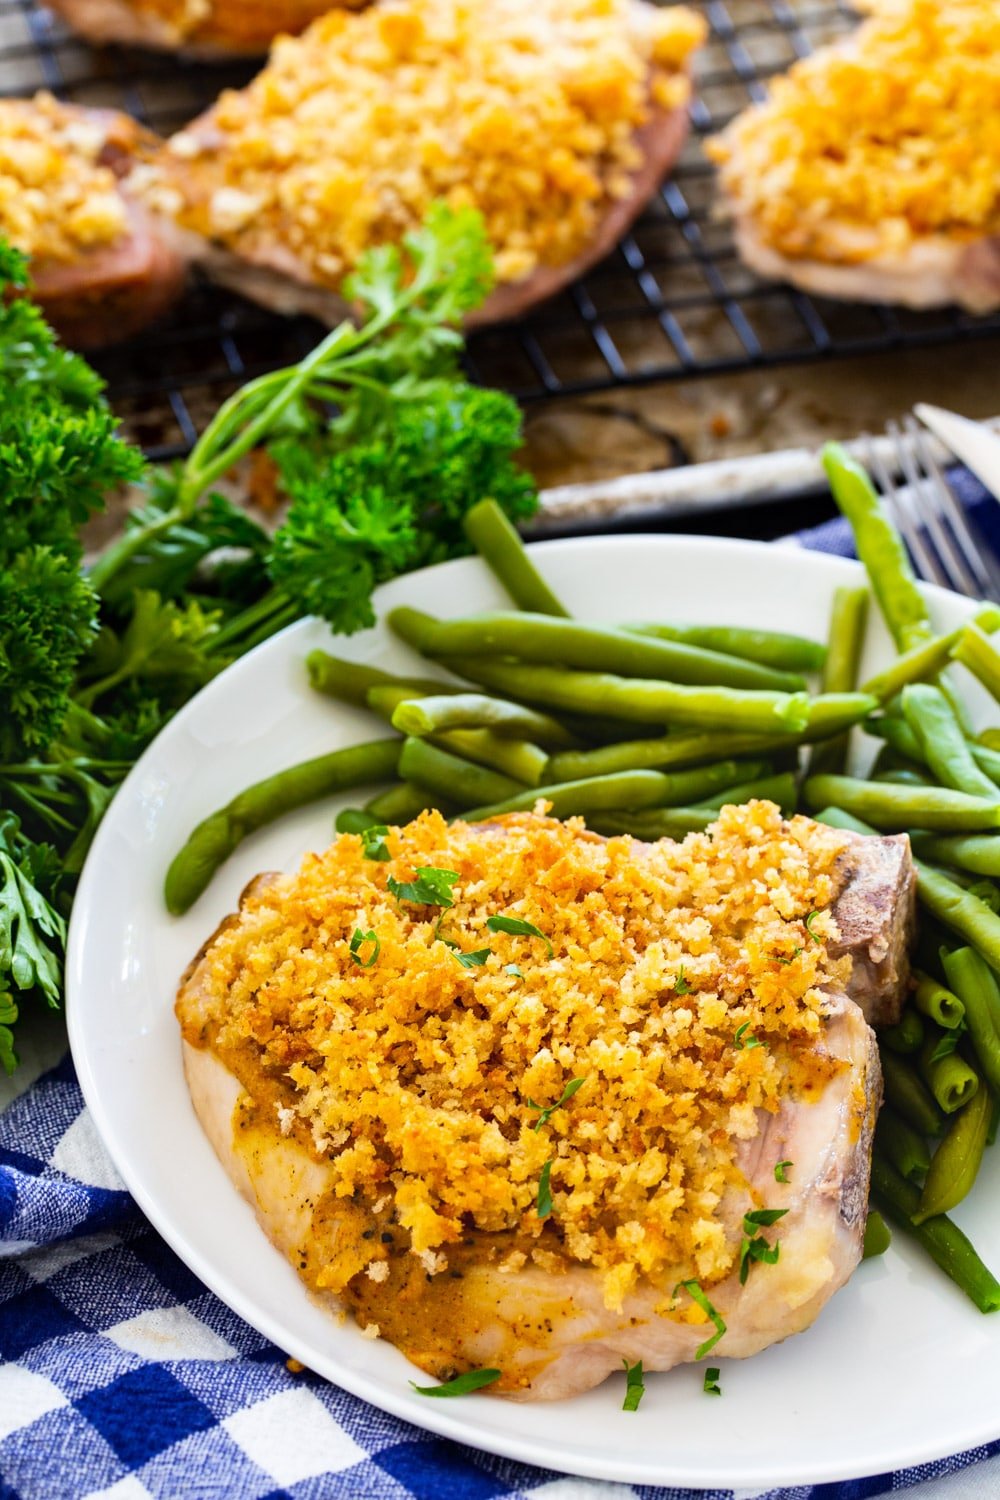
<point x="123" y="1378"/>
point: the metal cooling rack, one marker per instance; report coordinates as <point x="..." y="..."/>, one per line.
<point x="673" y="302"/>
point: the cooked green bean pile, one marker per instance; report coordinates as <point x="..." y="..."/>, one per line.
<point x="648" y="729"/>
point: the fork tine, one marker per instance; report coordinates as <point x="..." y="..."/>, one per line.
<point x="924" y="560"/>
<point x="928" y="504"/>
<point x="983" y="568"/>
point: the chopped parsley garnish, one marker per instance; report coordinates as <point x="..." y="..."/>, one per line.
<point x="473" y="960"/>
<point x="696" y="1294"/>
<point x="762" y="1218"/>
<point x="462" y="1385"/>
<point x="358" y="941"/>
<point x="744" y="1039"/>
<point x="681" y="986"/>
<point x="518" y="928"/>
<point x="431" y="888"/>
<point x="809" y="921"/>
<point x="544" y="1191"/>
<point x="795" y="954"/>
<point x="513" y="969"/>
<point x="753" y="1246"/>
<point x="711" y="1386"/>
<point x="635" y="1386"/>
<point x="373" y="842"/>
<point x="548" y="1110"/>
<point x="781" y="1170"/>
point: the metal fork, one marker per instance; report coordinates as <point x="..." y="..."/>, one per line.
<point x="931" y="521"/>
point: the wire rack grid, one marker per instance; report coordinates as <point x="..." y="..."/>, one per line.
<point x="673" y="301"/>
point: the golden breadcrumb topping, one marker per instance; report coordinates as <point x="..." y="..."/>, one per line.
<point x="891" y="135"/>
<point x="683" y="986"/>
<point x="56" y="199"/>
<point x="525" y="109"/>
<point x="239" y="25"/>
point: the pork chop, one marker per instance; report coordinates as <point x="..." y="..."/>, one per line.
<point x="100" y="269"/>
<point x="871" y="171"/>
<point x="198" y="29"/>
<point x="556" y="192"/>
<point x="556" y="1302"/>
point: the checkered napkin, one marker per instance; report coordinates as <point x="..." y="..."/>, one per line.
<point x="124" y="1378"/>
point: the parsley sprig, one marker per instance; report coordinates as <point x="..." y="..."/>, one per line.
<point x="517" y="927"/>
<point x="744" y="1039"/>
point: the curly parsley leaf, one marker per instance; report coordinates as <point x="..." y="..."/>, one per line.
<point x="373" y="845"/>
<point x="744" y="1039"/>
<point x="681" y="986"/>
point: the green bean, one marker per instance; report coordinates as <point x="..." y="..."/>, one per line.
<point x="213" y="841"/>
<point x="637" y="700"/>
<point x="350" y="680"/>
<point x="840" y="673"/>
<point x="629" y="790"/>
<point x="961" y="911"/>
<point x="900" y="807"/>
<point x="994" y="1125"/>
<point x="957" y="1159"/>
<point x="906" y="1036"/>
<point x="901" y="776"/>
<point x="877" y="1236"/>
<point x="902" y="1145"/>
<point x="519" y="759"/>
<point x="450" y="776"/>
<point x="926" y="658"/>
<point x="670" y="751"/>
<point x="943" y="1240"/>
<point x="950" y="1079"/>
<point x="896" y="732"/>
<point x="879" y="546"/>
<point x="942" y="743"/>
<point x="402" y="803"/>
<point x="780" y="789"/>
<point x="937" y="1003"/>
<point x="990" y="738"/>
<point x="435" y="714"/>
<point x="771" y="648"/>
<point x="694" y="787"/>
<point x="987" y="760"/>
<point x="500" y="547"/>
<point x="976" y="852"/>
<point x="832" y="713"/>
<point x="970" y="977"/>
<point x="656" y="823"/>
<point x="975" y="651"/>
<point x="908" y="1094"/>
<point x="385" y="697"/>
<point x="835" y="817"/>
<point x="594" y="648"/>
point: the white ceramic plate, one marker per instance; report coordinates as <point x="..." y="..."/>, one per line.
<point x="898" y="1369"/>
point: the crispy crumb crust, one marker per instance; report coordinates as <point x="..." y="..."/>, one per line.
<point x="877" y="144"/>
<point x="526" y="109"/>
<point x="411" y="1078"/>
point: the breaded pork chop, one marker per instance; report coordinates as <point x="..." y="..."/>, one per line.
<point x="394" y="1115"/>
<point x="201" y="29"/>
<point x="100" y="270"/>
<point x="556" y="119"/>
<point x="872" y="171"/>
